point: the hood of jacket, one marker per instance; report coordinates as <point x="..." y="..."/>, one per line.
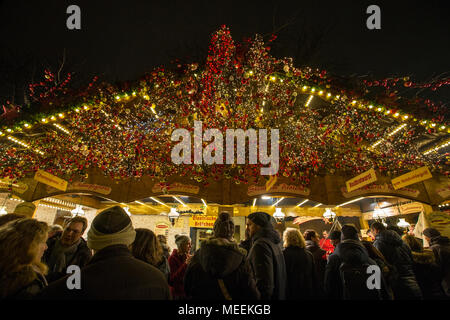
<point x="268" y="233"/>
<point x="352" y="252"/>
<point x="424" y="257"/>
<point x="390" y="237"/>
<point x="220" y="257"/>
<point x="311" y="244"/>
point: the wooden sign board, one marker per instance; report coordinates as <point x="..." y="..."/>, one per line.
<point x="51" y="180"/>
<point x="361" y="180"/>
<point x="412" y="177"/>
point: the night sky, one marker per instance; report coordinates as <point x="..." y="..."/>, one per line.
<point x="121" y="40"/>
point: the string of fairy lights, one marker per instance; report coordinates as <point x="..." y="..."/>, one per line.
<point x="127" y="134"/>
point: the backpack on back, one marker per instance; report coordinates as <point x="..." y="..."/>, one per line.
<point x="354" y="282"/>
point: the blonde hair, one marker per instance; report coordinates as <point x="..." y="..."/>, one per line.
<point x="19" y="248"/>
<point x="293" y="237"/>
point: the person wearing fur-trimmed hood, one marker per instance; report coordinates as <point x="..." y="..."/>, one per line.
<point x="219" y="270"/>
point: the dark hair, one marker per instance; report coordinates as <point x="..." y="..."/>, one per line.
<point x="349" y="231"/>
<point x="146" y="247"/>
<point x="162" y="238"/>
<point x="77" y="219"/>
<point x="10" y="217"/>
<point x="398" y="230"/>
<point x="377" y="226"/>
<point x="309" y="234"/>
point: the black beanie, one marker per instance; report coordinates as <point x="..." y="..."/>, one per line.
<point x="262" y="219"/>
<point x="224" y="226"/>
<point x="431" y="233"/>
<point x="349" y="232"/>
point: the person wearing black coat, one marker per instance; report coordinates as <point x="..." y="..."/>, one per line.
<point x="320" y="255"/>
<point x="219" y="270"/>
<point x="398" y="254"/>
<point x="349" y="250"/>
<point x="440" y="246"/>
<point x="112" y="273"/>
<point x="302" y="282"/>
<point x="266" y="257"/>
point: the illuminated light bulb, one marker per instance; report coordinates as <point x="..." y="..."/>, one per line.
<point x="337" y="97"/>
<point x="379" y="109"/>
<point x="320" y="92"/>
<point x="396" y="114"/>
<point x="26" y="125"/>
<point x="1" y="133"/>
<point x="354" y="102"/>
<point x="117" y="98"/>
<point x="281" y="80"/>
<point x="371" y="106"/>
<point x="405" y="117"/>
<point x="85" y="108"/>
<point x="433" y="125"/>
<point x="61" y="115"/>
<point x="8" y="130"/>
<point x="329" y="95"/>
<point x="313" y="89"/>
<point x="134" y="93"/>
<point x="273" y="78"/>
<point x="442" y="127"/>
<point x="77" y="110"/>
<point x="304" y="88"/>
<point x="44" y="120"/>
<point x="250" y="72"/>
<point x="146" y="97"/>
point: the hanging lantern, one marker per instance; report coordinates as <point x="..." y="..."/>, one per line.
<point x="78" y="211"/>
<point x="278" y="215"/>
<point x="173" y="216"/>
<point x="402" y="223"/>
<point x="329" y="215"/>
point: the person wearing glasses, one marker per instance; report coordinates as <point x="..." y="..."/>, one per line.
<point x="68" y="248"/>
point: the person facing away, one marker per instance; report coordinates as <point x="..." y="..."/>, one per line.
<point x="68" y="248"/>
<point x="346" y="270"/>
<point x="398" y="254"/>
<point x="112" y="273"/>
<point x="266" y="257"/>
<point x="178" y="261"/>
<point x="388" y="271"/>
<point x="335" y="238"/>
<point x="55" y="230"/>
<point x="22" y="243"/>
<point x="219" y="270"/>
<point x="440" y="246"/>
<point x="320" y="255"/>
<point x="146" y="247"/>
<point x="427" y="271"/>
<point x="302" y="282"/>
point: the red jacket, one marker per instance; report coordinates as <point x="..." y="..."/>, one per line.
<point x="326" y="245"/>
<point x="178" y="267"/>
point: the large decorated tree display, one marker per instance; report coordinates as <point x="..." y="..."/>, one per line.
<point x="327" y="124"/>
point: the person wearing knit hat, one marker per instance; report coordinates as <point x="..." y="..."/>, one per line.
<point x="112" y="226"/>
<point x="224" y="226"/>
<point x="335" y="237"/>
<point x="266" y="257"/>
<point x="112" y="273"/>
<point x="440" y="245"/>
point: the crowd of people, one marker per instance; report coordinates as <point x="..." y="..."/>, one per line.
<point x="117" y="261"/>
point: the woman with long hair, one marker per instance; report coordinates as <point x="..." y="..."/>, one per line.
<point x="22" y="244"/>
<point x="302" y="278"/>
<point x="146" y="247"/>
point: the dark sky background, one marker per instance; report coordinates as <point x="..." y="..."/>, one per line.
<point x="121" y="40"/>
